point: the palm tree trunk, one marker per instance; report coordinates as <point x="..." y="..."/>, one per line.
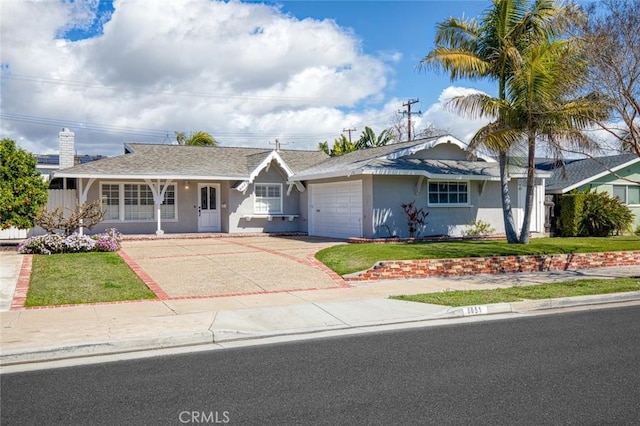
<point x="531" y="180"/>
<point x="507" y="213"/>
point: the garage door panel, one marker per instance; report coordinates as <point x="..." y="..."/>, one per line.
<point x="336" y="209"/>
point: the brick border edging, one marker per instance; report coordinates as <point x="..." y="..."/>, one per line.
<point x="495" y="265"/>
<point x="22" y="286"/>
<point x="146" y="278"/>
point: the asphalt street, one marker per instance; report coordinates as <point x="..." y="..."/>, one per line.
<point x="571" y="368"/>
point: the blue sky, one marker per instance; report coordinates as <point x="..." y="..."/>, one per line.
<point x="246" y="72"/>
<point x="407" y="27"/>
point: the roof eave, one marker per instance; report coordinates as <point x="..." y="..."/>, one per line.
<point x="142" y="176"/>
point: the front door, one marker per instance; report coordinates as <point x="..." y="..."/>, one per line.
<point x="208" y="207"/>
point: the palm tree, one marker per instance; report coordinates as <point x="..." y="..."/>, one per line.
<point x="324" y="147"/>
<point x="493" y="49"/>
<point x="198" y="138"/>
<point x="368" y="139"/>
<point x="541" y="106"/>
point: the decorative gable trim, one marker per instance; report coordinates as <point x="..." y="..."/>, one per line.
<point x="264" y="165"/>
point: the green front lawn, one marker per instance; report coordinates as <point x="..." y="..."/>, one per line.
<point x="349" y="258"/>
<point x="75" y="278"/>
<point x="515" y="294"/>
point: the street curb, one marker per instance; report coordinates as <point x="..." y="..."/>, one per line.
<point x="90" y="349"/>
<point x="16" y="357"/>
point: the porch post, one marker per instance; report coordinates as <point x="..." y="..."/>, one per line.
<point x="159" y="230"/>
<point x="158" y="192"/>
<point x="82" y="198"/>
<point x="81" y="229"/>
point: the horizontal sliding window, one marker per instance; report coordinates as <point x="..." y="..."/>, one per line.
<point x="448" y="193"/>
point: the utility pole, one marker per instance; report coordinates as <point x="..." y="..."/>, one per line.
<point x="277" y="143"/>
<point x="408" y="114"/>
<point x="349" y="130"/>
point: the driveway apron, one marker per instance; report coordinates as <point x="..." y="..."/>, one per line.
<point x="208" y="267"/>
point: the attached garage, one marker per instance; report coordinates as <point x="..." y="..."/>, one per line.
<point x="336" y="209"/>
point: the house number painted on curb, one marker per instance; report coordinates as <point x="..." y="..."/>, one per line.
<point x="474" y="310"/>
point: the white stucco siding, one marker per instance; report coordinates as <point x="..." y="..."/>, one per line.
<point x="389" y="219"/>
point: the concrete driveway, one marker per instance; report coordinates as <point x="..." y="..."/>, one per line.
<point x="226" y="266"/>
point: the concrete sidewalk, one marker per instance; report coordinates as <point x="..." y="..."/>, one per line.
<point x="31" y="335"/>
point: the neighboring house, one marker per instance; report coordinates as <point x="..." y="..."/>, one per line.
<point x="47" y="165"/>
<point x="183" y="189"/>
<point x="617" y="175"/>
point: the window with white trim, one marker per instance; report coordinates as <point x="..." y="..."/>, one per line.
<point x="448" y="193"/>
<point x="628" y="194"/>
<point x="267" y="198"/>
<point x="134" y="202"/>
<point x="110" y="197"/>
<point x="168" y="206"/>
<point x="138" y="202"/>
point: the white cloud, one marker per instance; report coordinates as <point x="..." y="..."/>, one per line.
<point x="244" y="72"/>
<point x="441" y="117"/>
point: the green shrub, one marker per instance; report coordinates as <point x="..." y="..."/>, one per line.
<point x="478" y="228"/>
<point x="603" y="215"/>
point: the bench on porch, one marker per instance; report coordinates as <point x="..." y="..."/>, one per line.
<point x="269" y="217"/>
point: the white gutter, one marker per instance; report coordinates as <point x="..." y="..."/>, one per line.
<point x="395" y="173"/>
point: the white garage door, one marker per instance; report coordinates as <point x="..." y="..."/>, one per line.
<point x="336" y="209"/>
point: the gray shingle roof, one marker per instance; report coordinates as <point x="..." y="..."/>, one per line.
<point x="231" y="163"/>
<point x="175" y="160"/>
<point x="358" y="159"/>
<point x="444" y="167"/>
<point x="579" y="172"/>
<point x="382" y="160"/>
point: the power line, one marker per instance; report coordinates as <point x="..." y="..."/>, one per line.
<point x="147" y="132"/>
<point x="88" y="85"/>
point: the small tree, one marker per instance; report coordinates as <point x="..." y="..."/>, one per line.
<point x="69" y="220"/>
<point x="416" y="218"/>
<point x="23" y="192"/>
<point x="611" y="45"/>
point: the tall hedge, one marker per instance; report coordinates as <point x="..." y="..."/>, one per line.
<point x="571" y="206"/>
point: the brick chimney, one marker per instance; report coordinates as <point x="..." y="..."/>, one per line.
<point x="66" y="148"/>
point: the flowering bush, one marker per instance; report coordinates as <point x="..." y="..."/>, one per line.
<point x="74" y="243"/>
<point x="109" y="240"/>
